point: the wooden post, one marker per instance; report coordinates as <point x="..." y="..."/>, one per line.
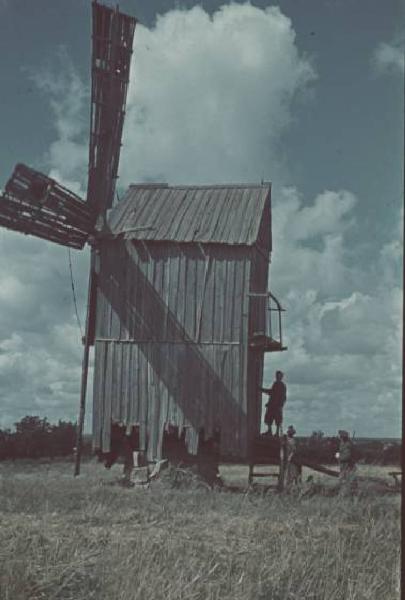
<point x="88" y="340"/>
<point x="250" y="476"/>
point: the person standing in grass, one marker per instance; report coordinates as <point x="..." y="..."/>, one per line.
<point x="347" y="463"/>
<point x="274" y="407"/>
<point x="293" y="468"/>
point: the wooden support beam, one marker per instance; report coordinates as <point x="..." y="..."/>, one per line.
<point x="89" y="334"/>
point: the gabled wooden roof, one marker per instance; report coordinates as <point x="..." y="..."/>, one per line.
<point x="225" y="214"/>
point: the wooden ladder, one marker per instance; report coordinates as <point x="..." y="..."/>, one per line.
<point x="281" y="467"/>
<point x="253" y="474"/>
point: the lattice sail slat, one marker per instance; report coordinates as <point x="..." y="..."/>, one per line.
<point x="113" y="34"/>
<point x="37" y="205"/>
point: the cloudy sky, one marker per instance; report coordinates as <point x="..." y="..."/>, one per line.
<point x="307" y="95"/>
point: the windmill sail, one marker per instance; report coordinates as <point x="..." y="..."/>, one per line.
<point x="113" y="34"/>
<point x="36" y="204"/>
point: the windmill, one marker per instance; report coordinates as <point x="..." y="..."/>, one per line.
<point x="35" y="204"/>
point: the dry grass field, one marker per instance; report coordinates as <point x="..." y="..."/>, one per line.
<point x="84" y="538"/>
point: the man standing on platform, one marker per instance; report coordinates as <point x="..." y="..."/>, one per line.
<point x="274" y="407"/>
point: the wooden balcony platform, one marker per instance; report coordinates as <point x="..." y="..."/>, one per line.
<point x="260" y="341"/>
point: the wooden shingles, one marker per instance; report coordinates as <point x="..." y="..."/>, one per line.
<point x="206" y="214"/>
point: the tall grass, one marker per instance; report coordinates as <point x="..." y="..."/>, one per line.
<point x="80" y="539"/>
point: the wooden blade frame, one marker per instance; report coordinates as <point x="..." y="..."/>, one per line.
<point x="37" y="205"/>
<point x="113" y="34"/>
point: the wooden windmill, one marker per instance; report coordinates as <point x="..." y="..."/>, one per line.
<point x="179" y="309"/>
<point x="35" y="204"/>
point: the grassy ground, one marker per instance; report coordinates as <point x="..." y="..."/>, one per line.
<point x="87" y="538"/>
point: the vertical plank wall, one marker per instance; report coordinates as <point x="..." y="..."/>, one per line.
<point x="171" y="342"/>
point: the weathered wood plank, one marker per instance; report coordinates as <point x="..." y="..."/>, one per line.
<point x="162" y="396"/>
<point x="125" y="383"/>
<point x="116" y="295"/>
<point x="159" y="286"/>
<point x="227" y="201"/>
<point x="166" y="277"/>
<point x="97" y="395"/>
<point x="129" y="385"/>
<point x="213" y="215"/>
<point x="208" y="307"/>
<point x="219" y="297"/>
<point x="124" y="289"/>
<point x="173" y="285"/>
<point x="152" y="411"/>
<point x="187" y="221"/>
<point x="143" y="395"/>
<point x="206" y="203"/>
<point x="190" y="293"/>
<point x="142" y="265"/>
<point x="213" y="407"/>
<point x="179" y="314"/>
<point x="115" y="374"/>
<point x="244" y="338"/>
<point x="230" y="299"/>
<point x="107" y="397"/>
<point x="135" y="390"/>
<point x="143" y="384"/>
<point x="109" y="288"/>
<point x="225" y="299"/>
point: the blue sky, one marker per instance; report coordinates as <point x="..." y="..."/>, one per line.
<point x="308" y="95"/>
<point x="353" y="123"/>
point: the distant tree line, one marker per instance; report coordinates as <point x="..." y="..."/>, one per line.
<point x="34" y="437"/>
<point x="322" y="449"/>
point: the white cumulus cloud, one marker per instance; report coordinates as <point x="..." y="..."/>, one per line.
<point x="343" y="364"/>
<point x="68" y="99"/>
<point x="389" y="57"/>
<point x="211" y="96"/>
<point x="209" y="101"/>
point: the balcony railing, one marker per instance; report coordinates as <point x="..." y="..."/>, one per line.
<point x="266" y="323"/>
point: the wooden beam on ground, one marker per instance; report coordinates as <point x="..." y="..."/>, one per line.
<point x="319" y="468"/>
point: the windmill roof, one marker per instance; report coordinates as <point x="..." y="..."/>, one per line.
<point x="227" y="214"/>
